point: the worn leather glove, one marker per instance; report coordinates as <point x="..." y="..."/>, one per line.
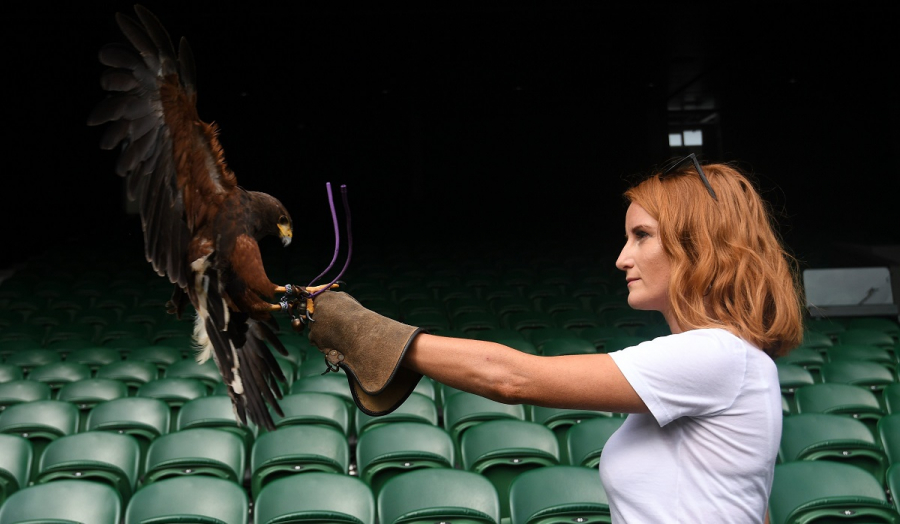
<point x="368" y="347"/>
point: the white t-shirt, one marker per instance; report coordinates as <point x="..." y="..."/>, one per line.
<point x="706" y="451"/>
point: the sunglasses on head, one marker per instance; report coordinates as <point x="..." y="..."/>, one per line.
<point x="693" y="158"/>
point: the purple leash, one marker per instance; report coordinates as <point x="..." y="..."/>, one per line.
<point x="337" y="239"/>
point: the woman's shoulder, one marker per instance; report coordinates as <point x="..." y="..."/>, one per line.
<point x="708" y="336"/>
<point x="707" y="343"/>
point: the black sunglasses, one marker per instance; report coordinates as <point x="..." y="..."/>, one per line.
<point x="693" y="158"/>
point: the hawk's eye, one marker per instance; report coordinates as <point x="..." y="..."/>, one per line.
<point x="282" y="220"/>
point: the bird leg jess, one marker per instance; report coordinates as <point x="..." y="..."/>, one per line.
<point x="298" y="302"/>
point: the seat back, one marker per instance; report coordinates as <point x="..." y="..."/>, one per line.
<point x="207" y="373"/>
<point x="436" y="495"/>
<point x="297" y="449"/>
<point x="16" y="457"/>
<point x="94" y="357"/>
<point x="41" y="422"/>
<point x="463" y="410"/>
<point x="326" y="498"/>
<point x="197" y="499"/>
<point x="791" y="377"/>
<point x="199" y="451"/>
<point x="820" y="436"/>
<point x="63" y="501"/>
<point x="86" y="394"/>
<point x="501" y="450"/>
<point x="868" y="374"/>
<point x="842" y="399"/>
<point x="395" y="449"/>
<point x="560" y="420"/>
<point x="570" y="345"/>
<point x="313" y="407"/>
<point x="585" y="441"/>
<point x="808" y="358"/>
<point x="143" y="418"/>
<point x="558" y="494"/>
<point x="97" y="456"/>
<point x="22" y="390"/>
<point x="416" y="408"/>
<point x="804" y="491"/>
<point x="133" y="373"/>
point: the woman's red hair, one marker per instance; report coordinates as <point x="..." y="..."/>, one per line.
<point x="729" y="268"/>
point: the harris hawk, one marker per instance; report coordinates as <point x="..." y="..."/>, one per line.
<point x="200" y="227"/>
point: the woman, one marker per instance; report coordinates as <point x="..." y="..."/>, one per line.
<point x="704" y="427"/>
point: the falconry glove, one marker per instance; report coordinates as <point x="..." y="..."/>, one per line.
<point x="368" y="347"/>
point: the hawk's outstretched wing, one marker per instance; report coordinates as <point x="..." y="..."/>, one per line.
<point x="200" y="228"/>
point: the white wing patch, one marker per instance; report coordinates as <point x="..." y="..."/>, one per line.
<point x="203" y="345"/>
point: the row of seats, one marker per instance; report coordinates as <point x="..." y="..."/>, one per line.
<point x="155" y="416"/>
<point x="424" y="495"/>
<point x="498" y="449"/>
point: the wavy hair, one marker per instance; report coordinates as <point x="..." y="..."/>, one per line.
<point x="729" y="268"/>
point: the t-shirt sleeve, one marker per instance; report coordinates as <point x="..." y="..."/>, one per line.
<point x="691" y="374"/>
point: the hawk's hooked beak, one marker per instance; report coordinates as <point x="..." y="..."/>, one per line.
<point x="286" y="234"/>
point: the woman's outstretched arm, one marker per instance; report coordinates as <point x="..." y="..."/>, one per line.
<point x="510" y="376"/>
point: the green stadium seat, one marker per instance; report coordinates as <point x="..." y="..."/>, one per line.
<point x="866" y="353"/>
<point x="426" y="496"/>
<point x="96" y="456"/>
<point x="464" y="410"/>
<point x="198" y="451"/>
<point x="791" y="377"/>
<point x="197" y="499"/>
<point x="829" y="327"/>
<point x="816" y="340"/>
<point x="174" y="391"/>
<point x="207" y="373"/>
<point x="872" y="337"/>
<point x="871" y="375"/>
<point x="63" y="502"/>
<point x="598" y="336"/>
<point x="18" y="391"/>
<point x="809" y="491"/>
<point x="842" y="399"/>
<point x="41" y="422"/>
<point x="9" y="372"/>
<point x="324" y="498"/>
<point x="331" y="383"/>
<point x="299" y="449"/>
<point x="560" y="420"/>
<point x="314" y="408"/>
<point x="807" y="358"/>
<point x="416" y="408"/>
<point x="159" y="354"/>
<point x="394" y="449"/>
<point x="16" y="457"/>
<point x="94" y="357"/>
<point x="585" y="441"/>
<point x="542" y="335"/>
<point x="132" y="373"/>
<point x="885" y="325"/>
<point x="501" y="450"/>
<point x="820" y="436"/>
<point x="32" y="358"/>
<point x="58" y="374"/>
<point x="570" y="345"/>
<point x="558" y="494"/>
<point x="215" y="412"/>
<point x="890" y="398"/>
<point x="576" y="320"/>
<point x="143" y="418"/>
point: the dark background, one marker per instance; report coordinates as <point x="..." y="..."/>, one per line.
<point x="465" y="124"/>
